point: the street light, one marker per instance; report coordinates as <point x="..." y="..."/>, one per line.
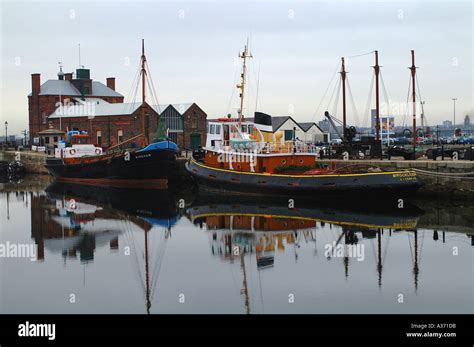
<point x="6" y="133"/>
<point x="454" y="119"/>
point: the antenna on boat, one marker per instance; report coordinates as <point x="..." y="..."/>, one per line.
<point x="245" y="54"/>
<point x="143" y="73"/>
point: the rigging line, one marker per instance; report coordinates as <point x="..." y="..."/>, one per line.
<point x="160" y="263"/>
<point x="386" y="249"/>
<point x="258" y="84"/>
<point x="233" y="90"/>
<point x="359" y="55"/>
<point x="336" y="101"/>
<point x="134" y="97"/>
<point x="385" y="95"/>
<point x="154" y="99"/>
<point x="411" y="251"/>
<point x="153" y="86"/>
<point x="326" y="91"/>
<point x="405" y="116"/>
<point x="133" y="82"/>
<point x="136" y="82"/>
<point x="351" y="98"/>
<point x="367" y="105"/>
<point x="336" y="89"/>
<point x="420" y="98"/>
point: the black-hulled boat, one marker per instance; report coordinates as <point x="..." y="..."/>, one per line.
<point x="134" y="163"/>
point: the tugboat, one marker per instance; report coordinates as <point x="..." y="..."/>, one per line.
<point x="247" y="157"/>
<point x="134" y="163"/>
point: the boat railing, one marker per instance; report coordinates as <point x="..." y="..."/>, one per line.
<point x="287" y="147"/>
<point x="123" y="145"/>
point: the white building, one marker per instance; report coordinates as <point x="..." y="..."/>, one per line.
<point x="313" y="133"/>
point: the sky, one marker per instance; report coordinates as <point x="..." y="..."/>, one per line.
<point x="192" y="49"/>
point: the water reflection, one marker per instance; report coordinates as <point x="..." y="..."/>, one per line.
<point x="306" y="243"/>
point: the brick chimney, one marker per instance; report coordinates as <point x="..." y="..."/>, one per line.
<point x="111" y="82"/>
<point x="68" y="76"/>
<point x="35" y="84"/>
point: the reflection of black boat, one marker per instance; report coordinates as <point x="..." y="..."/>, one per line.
<point x="149" y="204"/>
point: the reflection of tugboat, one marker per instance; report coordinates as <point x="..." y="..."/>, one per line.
<point x="134" y="163"/>
<point x="247" y="156"/>
<point x="275" y="215"/>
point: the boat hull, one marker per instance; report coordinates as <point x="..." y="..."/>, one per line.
<point x="379" y="183"/>
<point x="138" y="170"/>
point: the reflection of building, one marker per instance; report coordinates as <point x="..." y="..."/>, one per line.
<point x="68" y="230"/>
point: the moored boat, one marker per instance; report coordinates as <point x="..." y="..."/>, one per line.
<point x="248" y="157"/>
<point x="135" y="163"/>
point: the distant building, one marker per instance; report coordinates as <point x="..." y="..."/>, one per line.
<point x="447" y="124"/>
<point x="467" y="120"/>
<point x="313" y="133"/>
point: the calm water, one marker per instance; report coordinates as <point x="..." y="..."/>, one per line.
<point x="113" y="252"/>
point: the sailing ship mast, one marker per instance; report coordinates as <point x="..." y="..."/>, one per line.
<point x="245" y="54"/>
<point x="413" y="72"/>
<point x="143" y="73"/>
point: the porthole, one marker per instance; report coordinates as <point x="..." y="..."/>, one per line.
<point x="283" y="161"/>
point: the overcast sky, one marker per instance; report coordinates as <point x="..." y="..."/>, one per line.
<point x="191" y="49"/>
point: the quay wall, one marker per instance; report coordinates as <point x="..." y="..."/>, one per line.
<point x="454" y="178"/>
<point x="33" y="161"/>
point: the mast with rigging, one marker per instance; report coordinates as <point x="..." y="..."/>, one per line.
<point x="245" y="54"/>
<point x="143" y="115"/>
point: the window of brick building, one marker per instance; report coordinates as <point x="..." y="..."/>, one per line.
<point x="44" y="118"/>
<point x="120" y="135"/>
<point x="46" y="139"/>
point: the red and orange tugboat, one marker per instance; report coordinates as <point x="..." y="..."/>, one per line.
<point x="248" y="157"/>
<point x="134" y="163"/>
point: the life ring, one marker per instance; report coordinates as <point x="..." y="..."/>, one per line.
<point x="72" y="151"/>
<point x="98" y="151"/>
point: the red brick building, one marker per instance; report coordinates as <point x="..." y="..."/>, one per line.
<point x="43" y="99"/>
<point x="98" y="109"/>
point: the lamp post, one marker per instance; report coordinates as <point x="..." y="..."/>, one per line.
<point x="454" y="114"/>
<point x="6" y="134"/>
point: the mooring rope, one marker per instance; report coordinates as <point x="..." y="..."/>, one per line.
<point x="446" y="174"/>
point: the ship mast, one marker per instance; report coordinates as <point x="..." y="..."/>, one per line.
<point x="143" y="73"/>
<point x="343" y="77"/>
<point x="245" y="54"/>
<point x="377" y="105"/>
<point x="413" y="72"/>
